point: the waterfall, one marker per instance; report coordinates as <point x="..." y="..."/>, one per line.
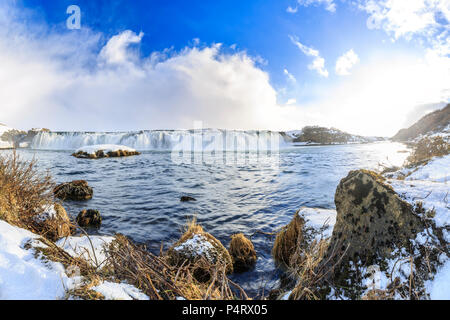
<point x="182" y="140"/>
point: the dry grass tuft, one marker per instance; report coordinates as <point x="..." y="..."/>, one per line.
<point x="161" y="280"/>
<point x="428" y="148"/>
<point x="26" y="193"/>
<point x="306" y="267"/>
<point x="242" y="252"/>
<point x="288" y="239"/>
<point x="220" y="255"/>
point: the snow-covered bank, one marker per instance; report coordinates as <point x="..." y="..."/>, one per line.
<point x="5" y="144"/>
<point x="429" y="184"/>
<point x="26" y="274"/>
<point x="91" y="249"/>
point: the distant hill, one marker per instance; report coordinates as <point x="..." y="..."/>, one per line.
<point x="431" y="123"/>
<point x="322" y="135"/>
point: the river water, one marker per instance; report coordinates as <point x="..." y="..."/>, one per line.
<point x="140" y="196"/>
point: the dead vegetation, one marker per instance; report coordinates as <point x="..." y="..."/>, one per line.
<point x="218" y="255"/>
<point x="288" y="239"/>
<point x="25" y="194"/>
<point x="428" y="148"/>
<point x="162" y="280"/>
<point x="242" y="252"/>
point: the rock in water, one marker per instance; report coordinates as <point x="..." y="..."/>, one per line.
<point x="371" y="221"/>
<point x="242" y="252"/>
<point x="89" y="219"/>
<point x="187" y="199"/>
<point x="104" y="151"/>
<point x="75" y="190"/>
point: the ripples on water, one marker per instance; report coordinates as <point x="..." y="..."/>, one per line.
<point x="140" y="196"/>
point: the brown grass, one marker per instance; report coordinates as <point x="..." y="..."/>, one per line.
<point x="428" y="148"/>
<point x="242" y="252"/>
<point x="25" y="193"/>
<point x="192" y="228"/>
<point x="305" y="266"/>
<point x="287" y="240"/>
<point x="161" y="280"/>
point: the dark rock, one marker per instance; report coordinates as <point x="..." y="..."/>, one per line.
<point x="75" y="190"/>
<point x="89" y="219"/>
<point x="371" y="220"/>
<point x="187" y="199"/>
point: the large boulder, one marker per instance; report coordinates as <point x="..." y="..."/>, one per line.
<point x="202" y="251"/>
<point x="371" y="220"/>
<point x="75" y="190"/>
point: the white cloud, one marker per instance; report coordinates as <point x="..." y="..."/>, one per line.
<point x="116" y="50"/>
<point x="330" y="5"/>
<point x="346" y="62"/>
<point x="71" y="81"/>
<point x="292" y="10"/>
<point x="289" y="76"/>
<point x="64" y="82"/>
<point x="318" y="63"/>
<point x="399" y="18"/>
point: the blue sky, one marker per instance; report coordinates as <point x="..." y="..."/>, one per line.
<point x="297" y="50"/>
<point x="259" y="27"/>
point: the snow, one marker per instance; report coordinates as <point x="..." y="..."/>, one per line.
<point x="198" y="245"/>
<point x="48" y="214"/>
<point x="429" y="184"/>
<point x="91" y="249"/>
<point x="5" y="144"/>
<point x="119" y="291"/>
<point x="439" y="288"/>
<point x="437" y="170"/>
<point x="432" y="194"/>
<point x="105" y="148"/>
<point x="318" y="218"/>
<point x="23" y="275"/>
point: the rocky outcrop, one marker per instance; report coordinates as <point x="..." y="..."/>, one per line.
<point x="432" y="122"/>
<point x="104" y="151"/>
<point x="371" y="221"/>
<point x="101" y="154"/>
<point x="75" y="190"/>
<point x="89" y="219"/>
<point x="322" y="135"/>
<point x="242" y="252"/>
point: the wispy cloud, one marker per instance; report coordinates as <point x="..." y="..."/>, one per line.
<point x="289" y="76"/>
<point x="330" y="5"/>
<point x="318" y="63"/>
<point x="346" y="62"/>
<point x="429" y="19"/>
